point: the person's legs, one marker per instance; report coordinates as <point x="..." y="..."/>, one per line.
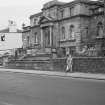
<point x="71" y="68"/>
<point x="67" y="68"/>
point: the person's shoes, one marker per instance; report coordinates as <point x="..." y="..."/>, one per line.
<point x="67" y="71"/>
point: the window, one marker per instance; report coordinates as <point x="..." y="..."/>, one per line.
<point x="71" y="32"/>
<point x="100" y="29"/>
<point x="62" y="14"/>
<point x="11" y="22"/>
<point x="47" y="37"/>
<point x="28" y="39"/>
<point x="92" y="11"/>
<point x="100" y="9"/>
<point x="71" y="11"/>
<point x="36" y="39"/>
<point x="63" y="32"/>
<point x="86" y="30"/>
<point x="35" y="21"/>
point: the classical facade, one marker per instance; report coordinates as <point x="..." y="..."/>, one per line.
<point x="62" y="28"/>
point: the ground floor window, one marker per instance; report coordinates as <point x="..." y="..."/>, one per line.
<point x="70" y="50"/>
<point x="36" y="38"/>
<point x="46" y="35"/>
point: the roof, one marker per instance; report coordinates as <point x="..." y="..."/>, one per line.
<point x="63" y="4"/>
<point x="26" y="29"/>
<point x="53" y="3"/>
<point x="6" y="30"/>
<point x="36" y="15"/>
<point x="90" y="2"/>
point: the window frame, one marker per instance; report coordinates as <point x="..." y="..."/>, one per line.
<point x="71" y="31"/>
<point x="62" y="13"/>
<point x="36" y="38"/>
<point x="63" y="33"/>
<point x="71" y="11"/>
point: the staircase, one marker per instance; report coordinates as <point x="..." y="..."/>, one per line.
<point x="39" y="61"/>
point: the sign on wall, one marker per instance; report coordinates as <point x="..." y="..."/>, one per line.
<point x="2" y="37"/>
<point x="10" y="41"/>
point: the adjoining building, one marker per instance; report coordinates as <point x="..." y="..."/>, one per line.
<point x="62" y="28"/>
<point x="10" y="39"/>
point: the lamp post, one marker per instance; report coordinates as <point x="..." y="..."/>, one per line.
<point x="103" y="1"/>
<point x="103" y="43"/>
<point x="104" y="17"/>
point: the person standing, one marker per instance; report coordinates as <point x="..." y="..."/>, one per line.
<point x="69" y="63"/>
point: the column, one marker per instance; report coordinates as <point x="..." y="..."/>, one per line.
<point x="51" y="36"/>
<point x="41" y="37"/>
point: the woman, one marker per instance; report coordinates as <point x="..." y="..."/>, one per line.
<point x="69" y="63"/>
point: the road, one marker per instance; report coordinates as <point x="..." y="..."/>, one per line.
<point x="31" y="89"/>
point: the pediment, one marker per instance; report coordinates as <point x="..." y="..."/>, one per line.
<point x="44" y="19"/>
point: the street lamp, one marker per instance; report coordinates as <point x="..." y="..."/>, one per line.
<point x="104" y="17"/>
<point x="103" y="1"/>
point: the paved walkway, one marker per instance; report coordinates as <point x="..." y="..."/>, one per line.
<point x="62" y="74"/>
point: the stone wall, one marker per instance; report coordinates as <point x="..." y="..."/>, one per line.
<point x="89" y="64"/>
<point x="80" y="64"/>
<point x="46" y="65"/>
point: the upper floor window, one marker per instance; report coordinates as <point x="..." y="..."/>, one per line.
<point x="28" y="40"/>
<point x="71" y="32"/>
<point x="100" y="9"/>
<point x="92" y="11"/>
<point x="36" y="38"/>
<point x="71" y="11"/>
<point x="86" y="29"/>
<point x="35" y="20"/>
<point x="100" y="29"/>
<point x="63" y="32"/>
<point x="62" y="13"/>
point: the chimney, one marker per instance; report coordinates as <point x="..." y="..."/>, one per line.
<point x="12" y="26"/>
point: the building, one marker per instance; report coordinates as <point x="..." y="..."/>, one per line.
<point x="62" y="28"/>
<point x="10" y="39"/>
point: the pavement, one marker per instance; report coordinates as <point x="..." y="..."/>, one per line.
<point x="61" y="74"/>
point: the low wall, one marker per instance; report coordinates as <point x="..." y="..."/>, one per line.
<point x="89" y="64"/>
<point x="50" y="65"/>
<point x="80" y="64"/>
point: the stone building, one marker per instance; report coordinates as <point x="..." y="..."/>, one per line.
<point x="62" y="28"/>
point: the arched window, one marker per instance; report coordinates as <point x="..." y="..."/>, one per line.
<point x="100" y="29"/>
<point x="71" y="32"/>
<point x="63" y="32"/>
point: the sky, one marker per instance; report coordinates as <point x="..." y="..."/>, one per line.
<point x="20" y="11"/>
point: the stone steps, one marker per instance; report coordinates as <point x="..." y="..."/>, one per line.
<point x="40" y="61"/>
<point x="50" y="65"/>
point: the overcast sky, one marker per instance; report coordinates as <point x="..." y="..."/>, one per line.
<point x="19" y="10"/>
